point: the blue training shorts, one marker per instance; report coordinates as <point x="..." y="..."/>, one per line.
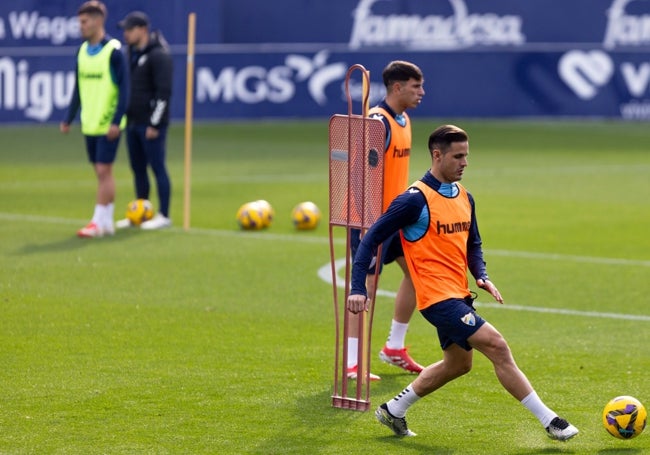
<point x="456" y="321"/>
<point x="391" y="249"/>
<point x="101" y="150"/>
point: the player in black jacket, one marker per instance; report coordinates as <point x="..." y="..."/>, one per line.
<point x="148" y="112"/>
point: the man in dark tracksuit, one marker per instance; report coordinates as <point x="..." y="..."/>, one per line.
<point x="148" y="112"/>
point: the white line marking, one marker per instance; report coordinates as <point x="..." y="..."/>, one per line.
<point x="39" y="219"/>
<point x="265" y="235"/>
<point x="591" y="314"/>
<point x="325" y="274"/>
<point x="568" y="257"/>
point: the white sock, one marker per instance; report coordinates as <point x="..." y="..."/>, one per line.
<point x="539" y="409"/>
<point x="103" y="216"/>
<point x="97" y="215"/>
<point x="402" y="402"/>
<point x="110" y="209"/>
<point x="396" y="335"/>
<point x="353" y="351"/>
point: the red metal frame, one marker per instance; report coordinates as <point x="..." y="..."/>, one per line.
<point x="357" y="205"/>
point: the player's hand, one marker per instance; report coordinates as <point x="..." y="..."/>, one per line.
<point x="64" y="127"/>
<point x="491" y="288"/>
<point x="151" y="133"/>
<point x="357" y="303"/>
<point x="113" y="132"/>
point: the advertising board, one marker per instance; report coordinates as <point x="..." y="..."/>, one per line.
<point x="504" y="58"/>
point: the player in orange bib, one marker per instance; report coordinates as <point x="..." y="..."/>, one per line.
<point x="404" y="90"/>
<point x="436" y="219"/>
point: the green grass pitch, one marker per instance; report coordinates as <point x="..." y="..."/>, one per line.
<point x="216" y="341"/>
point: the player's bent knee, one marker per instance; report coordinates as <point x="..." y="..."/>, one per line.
<point x="493" y="346"/>
<point x="499" y="351"/>
<point x="458" y="367"/>
<point x="462" y="369"/>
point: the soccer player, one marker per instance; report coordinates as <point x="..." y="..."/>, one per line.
<point x="101" y="91"/>
<point x="404" y="90"/>
<point x="148" y="112"/>
<point x="436" y="219"/>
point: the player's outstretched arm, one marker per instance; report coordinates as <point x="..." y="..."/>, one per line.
<point x="491" y="288"/>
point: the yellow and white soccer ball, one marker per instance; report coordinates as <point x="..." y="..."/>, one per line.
<point x="305" y="215"/>
<point x="254" y="216"/>
<point x="267" y="211"/>
<point x="139" y="211"/>
<point x="624" y="417"/>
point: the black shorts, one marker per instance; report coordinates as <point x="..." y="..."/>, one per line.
<point x="391" y="249"/>
<point x="101" y="150"/>
<point x="455" y="319"/>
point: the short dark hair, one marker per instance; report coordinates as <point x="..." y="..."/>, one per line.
<point x="399" y="70"/>
<point x="443" y="136"/>
<point x="94" y="8"/>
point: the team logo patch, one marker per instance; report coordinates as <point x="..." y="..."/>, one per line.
<point x="469" y="319"/>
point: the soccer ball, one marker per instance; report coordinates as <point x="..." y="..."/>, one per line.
<point x="624" y="417"/>
<point x="267" y="211"/>
<point x="305" y="215"/>
<point x="251" y="216"/>
<point x="138" y="211"/>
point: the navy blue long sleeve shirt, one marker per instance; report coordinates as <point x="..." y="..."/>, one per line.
<point x="408" y="213"/>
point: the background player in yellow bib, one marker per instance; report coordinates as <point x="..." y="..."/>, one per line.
<point x="436" y="219"/>
<point x="404" y="90"/>
<point x="101" y="92"/>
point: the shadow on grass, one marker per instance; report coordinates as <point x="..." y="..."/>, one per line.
<point x="322" y="429"/>
<point x="394" y="444"/>
<point x="538" y="451"/>
<point x="624" y="451"/>
<point x="319" y="428"/>
<point x="71" y="243"/>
